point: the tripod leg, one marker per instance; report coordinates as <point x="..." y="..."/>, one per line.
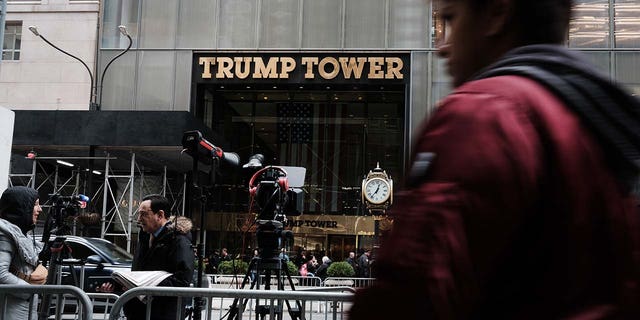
<point x="54" y="270"/>
<point x="235" y="309"/>
<point x="297" y="312"/>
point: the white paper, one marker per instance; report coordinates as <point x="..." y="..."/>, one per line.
<point x="132" y="279"/>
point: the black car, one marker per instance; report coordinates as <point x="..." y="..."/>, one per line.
<point x="99" y="257"/>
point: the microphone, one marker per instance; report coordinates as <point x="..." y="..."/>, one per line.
<point x="231" y="158"/>
<point x="81" y="197"/>
<point x="196" y="145"/>
<point x="83" y="200"/>
<point x="78" y="197"/>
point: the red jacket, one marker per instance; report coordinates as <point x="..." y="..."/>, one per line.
<point x="517" y="217"/>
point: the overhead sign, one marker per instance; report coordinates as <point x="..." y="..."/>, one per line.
<point x="301" y="67"/>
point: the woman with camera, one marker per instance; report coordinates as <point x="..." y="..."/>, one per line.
<point x="19" y="210"/>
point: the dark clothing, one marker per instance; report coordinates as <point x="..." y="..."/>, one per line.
<point x="321" y="272"/>
<point x="518" y="216"/>
<point x="171" y="251"/>
<point x="16" y="206"/>
<point x="354" y="265"/>
<point x="363" y="265"/>
<point x="212" y="265"/>
<point x="299" y="260"/>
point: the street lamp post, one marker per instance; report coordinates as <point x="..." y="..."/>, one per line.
<point x="123" y="31"/>
<point x="92" y="94"/>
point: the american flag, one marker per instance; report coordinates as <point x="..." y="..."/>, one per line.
<point x="318" y="145"/>
<point x="294" y="122"/>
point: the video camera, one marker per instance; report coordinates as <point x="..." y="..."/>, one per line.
<point x="61" y="208"/>
<point x="276" y="196"/>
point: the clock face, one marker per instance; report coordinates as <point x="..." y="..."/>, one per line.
<point x="377" y="190"/>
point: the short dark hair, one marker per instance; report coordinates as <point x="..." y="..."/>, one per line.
<point x="159" y="202"/>
<point x="538" y="21"/>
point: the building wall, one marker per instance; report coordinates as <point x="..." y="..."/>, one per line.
<point x="156" y="73"/>
<point x="44" y="78"/>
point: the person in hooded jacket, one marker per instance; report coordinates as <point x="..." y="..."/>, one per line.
<point x="163" y="244"/>
<point x="19" y="210"/>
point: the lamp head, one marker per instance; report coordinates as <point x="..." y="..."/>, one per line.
<point x="34" y="30"/>
<point x="123" y="30"/>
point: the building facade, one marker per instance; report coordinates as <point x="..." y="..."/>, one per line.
<point x="333" y="86"/>
<point x="35" y="76"/>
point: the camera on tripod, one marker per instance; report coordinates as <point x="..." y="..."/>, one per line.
<point x="276" y="196"/>
<point x="61" y="208"/>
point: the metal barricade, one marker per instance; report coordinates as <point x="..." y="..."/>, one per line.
<point x="218" y="301"/>
<point x="56" y="308"/>
<point x="348" y="282"/>
<point x="102" y="305"/>
<point x="224" y="281"/>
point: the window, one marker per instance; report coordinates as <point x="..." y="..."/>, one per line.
<point x="12" y="41"/>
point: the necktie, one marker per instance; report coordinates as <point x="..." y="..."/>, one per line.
<point x="151" y="237"/>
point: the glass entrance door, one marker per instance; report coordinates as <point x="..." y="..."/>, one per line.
<point x="340" y="246"/>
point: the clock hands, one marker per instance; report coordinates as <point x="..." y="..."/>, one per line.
<point x="378" y="188"/>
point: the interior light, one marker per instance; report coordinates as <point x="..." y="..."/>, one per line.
<point x="96" y="172"/>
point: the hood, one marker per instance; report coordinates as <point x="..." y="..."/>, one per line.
<point x="16" y="206"/>
<point x="180" y="224"/>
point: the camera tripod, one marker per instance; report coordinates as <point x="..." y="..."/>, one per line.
<point x="272" y="266"/>
<point x="59" y="254"/>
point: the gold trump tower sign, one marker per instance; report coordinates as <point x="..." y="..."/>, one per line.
<point x="301" y="67"/>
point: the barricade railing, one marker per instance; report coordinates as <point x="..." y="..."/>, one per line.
<point x="101" y="305"/>
<point x="234" y="281"/>
<point x="314" y="305"/>
<point x="56" y="307"/>
<point x="348" y="282"/>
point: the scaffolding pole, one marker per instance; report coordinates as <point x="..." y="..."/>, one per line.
<point x="113" y="216"/>
<point x="109" y="216"/>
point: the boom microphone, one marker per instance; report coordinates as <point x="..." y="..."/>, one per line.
<point x="198" y="147"/>
<point x="78" y="197"/>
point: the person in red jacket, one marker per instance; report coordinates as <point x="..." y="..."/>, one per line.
<point x="519" y="202"/>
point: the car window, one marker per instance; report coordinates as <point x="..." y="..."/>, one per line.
<point x="116" y="253"/>
<point x="79" y="251"/>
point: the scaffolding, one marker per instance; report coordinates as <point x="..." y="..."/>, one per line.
<point x="116" y="220"/>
